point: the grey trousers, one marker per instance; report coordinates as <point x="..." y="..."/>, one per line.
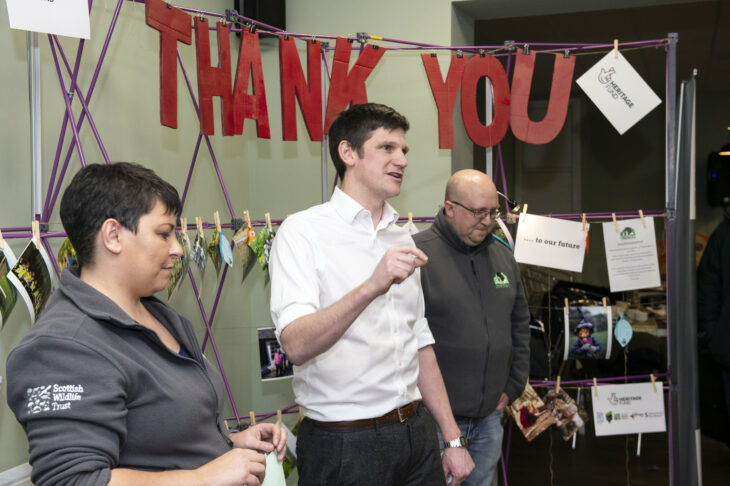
<point x="394" y="454"/>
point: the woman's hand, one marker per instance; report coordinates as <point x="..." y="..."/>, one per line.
<point x="262" y="437"/>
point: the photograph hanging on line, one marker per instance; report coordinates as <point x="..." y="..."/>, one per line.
<point x="530" y="414"/>
<point x="588" y="332"/>
<point x="180" y="266"/>
<point x="275" y="364"/>
<point x="243" y="239"/>
<point x="8" y="294"/>
<point x="569" y="417"/>
<point x="31" y="275"/>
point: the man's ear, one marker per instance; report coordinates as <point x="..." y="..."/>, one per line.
<point x="110" y="234"/>
<point x="347" y="153"/>
<point x="449" y="209"/>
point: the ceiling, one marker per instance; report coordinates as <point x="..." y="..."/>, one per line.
<point x="703" y="29"/>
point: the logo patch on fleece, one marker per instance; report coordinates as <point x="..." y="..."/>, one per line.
<point x="52" y="398"/>
<point x="501" y="281"/>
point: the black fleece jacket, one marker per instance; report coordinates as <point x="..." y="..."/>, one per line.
<point x="95" y="390"/>
<point x="477" y="312"/>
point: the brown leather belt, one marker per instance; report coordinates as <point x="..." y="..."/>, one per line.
<point x="398" y="415"/>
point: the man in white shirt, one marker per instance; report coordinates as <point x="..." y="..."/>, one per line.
<point x="348" y="307"/>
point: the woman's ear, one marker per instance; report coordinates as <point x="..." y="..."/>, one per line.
<point x="109" y="235"/>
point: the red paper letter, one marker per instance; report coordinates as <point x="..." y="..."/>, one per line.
<point x="293" y="84"/>
<point x="214" y="81"/>
<point x="546" y="130"/>
<point x="444" y="94"/>
<point x="250" y="105"/>
<point x="174" y="25"/>
<point x="349" y="88"/>
<point x="492" y="134"/>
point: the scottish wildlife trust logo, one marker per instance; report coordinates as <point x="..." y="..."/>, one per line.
<point x="628" y="233"/>
<point x="501" y="281"/>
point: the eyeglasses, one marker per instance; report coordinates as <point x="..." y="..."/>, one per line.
<point x="481" y="213"/>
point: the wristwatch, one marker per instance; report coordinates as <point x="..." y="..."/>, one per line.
<point x="458" y="442"/>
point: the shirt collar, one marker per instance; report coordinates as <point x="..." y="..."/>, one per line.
<point x="349" y="209"/>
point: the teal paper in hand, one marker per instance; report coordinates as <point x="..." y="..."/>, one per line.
<point x="274" y="471"/>
<point x="623" y="331"/>
<point x="225" y="248"/>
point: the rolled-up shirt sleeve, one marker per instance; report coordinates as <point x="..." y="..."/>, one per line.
<point x="70" y="401"/>
<point x="420" y="327"/>
<point x="294" y="277"/>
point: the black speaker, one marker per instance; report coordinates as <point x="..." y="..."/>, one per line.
<point x="270" y="12"/>
<point x="718" y="177"/>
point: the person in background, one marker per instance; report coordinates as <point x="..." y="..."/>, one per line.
<point x="110" y="384"/>
<point x="347" y="303"/>
<point x="478" y="314"/>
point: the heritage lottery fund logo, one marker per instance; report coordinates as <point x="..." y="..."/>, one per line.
<point x="613" y="416"/>
<point x="52" y="398"/>
<point x="613" y="88"/>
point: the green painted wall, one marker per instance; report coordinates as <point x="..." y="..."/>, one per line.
<point x="261" y="175"/>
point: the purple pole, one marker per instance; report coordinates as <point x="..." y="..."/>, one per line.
<point x="190" y="172"/>
<point x="84" y="105"/>
<point x="207" y="139"/>
<point x="44" y="241"/>
<point x="215" y="303"/>
<point x="89" y="93"/>
<point x="209" y="332"/>
<point x="67" y="100"/>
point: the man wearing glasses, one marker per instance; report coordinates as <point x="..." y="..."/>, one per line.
<point x="477" y="312"/>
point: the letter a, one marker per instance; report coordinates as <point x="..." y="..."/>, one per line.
<point x="250" y="105"/>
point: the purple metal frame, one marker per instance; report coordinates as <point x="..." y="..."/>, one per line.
<point x="57" y="178"/>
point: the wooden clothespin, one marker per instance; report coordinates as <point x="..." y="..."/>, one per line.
<point x="247" y="218"/>
<point x="225" y="421"/>
<point x="641" y="215"/>
<point x="184" y="227"/>
<point x="615" y="223"/>
<point x="583" y="222"/>
<point x="615" y="48"/>
<point x="595" y="386"/>
<point x="605" y="305"/>
<point x="36" y="227"/>
<point x="199" y="224"/>
<point x="278" y="416"/>
<point x="567" y="306"/>
<point x="524" y="212"/>
<point x="410" y="221"/>
<point x="217" y="219"/>
<point x="268" y="222"/>
<point x="557" y="384"/>
<point x="653" y="381"/>
<point x="2" y="241"/>
<point x="253" y="418"/>
<point x="301" y="414"/>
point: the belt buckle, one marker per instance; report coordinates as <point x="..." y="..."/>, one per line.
<point x="401" y="418"/>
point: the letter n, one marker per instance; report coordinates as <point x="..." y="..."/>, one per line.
<point x="444" y="93"/>
<point x="294" y="85"/>
<point x="250" y="105"/>
<point x="546" y="130"/>
<point x="174" y="25"/>
<point x="347" y="88"/>
<point x="214" y="81"/>
<point x="476" y="68"/>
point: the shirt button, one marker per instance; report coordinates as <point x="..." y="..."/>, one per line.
<point x="390" y="298"/>
<point x="395" y="331"/>
<point x="400" y="363"/>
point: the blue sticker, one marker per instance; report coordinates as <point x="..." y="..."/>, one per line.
<point x="225" y="247"/>
<point x="623" y="331"/>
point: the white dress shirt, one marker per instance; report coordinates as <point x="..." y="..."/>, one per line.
<point x="318" y="256"/>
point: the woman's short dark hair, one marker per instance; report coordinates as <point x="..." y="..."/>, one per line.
<point x="356" y="124"/>
<point x="123" y="191"/>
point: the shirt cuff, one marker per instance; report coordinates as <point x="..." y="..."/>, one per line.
<point x="291" y="313"/>
<point x="423" y="333"/>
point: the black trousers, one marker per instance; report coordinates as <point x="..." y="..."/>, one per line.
<point x="394" y="454"/>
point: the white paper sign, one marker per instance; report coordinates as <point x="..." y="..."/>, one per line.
<point x="631" y="255"/>
<point x="618" y="91"/>
<point x="62" y="17"/>
<point x="550" y="242"/>
<point x="629" y="409"/>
